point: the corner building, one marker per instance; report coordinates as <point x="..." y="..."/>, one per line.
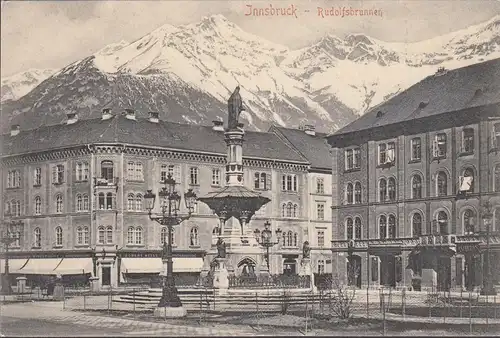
<point x="77" y="190"/>
<point x="410" y="179"/>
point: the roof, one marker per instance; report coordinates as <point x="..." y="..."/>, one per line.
<point x="448" y="91"/>
<point x="314" y="148"/>
<point x="142" y="132"/>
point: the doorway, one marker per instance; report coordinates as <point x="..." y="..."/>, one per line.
<point x="289" y="267"/>
<point x="388" y="270"/>
<point x="354" y="270"/>
<point x="106" y="276"/>
<point x="444" y="274"/>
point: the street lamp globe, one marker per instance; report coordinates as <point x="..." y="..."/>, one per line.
<point x="176" y="201"/>
<point x="278" y="233"/>
<point x="149" y="197"/>
<point x="190" y="200"/>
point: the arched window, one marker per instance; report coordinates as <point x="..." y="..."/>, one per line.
<point x="59" y="236"/>
<point x="284" y="238"/>
<point x="79" y="171"/>
<point x="130" y="202"/>
<point x="86" y="202"/>
<point x="7" y="210"/>
<point x="295" y="239"/>
<point x="37" y="238"/>
<point x="382" y="188"/>
<point x="109" y="200"/>
<point x="289" y="209"/>
<point x="59" y="203"/>
<point x="496" y="181"/>
<point x="86" y="235"/>
<point x="130" y="235"/>
<point x="290" y="238"/>
<point x="382" y="226"/>
<point x="350" y="229"/>
<point x="107" y="170"/>
<point x="467" y="183"/>
<point x="357" y="193"/>
<point x="138" y="202"/>
<point x="469" y="220"/>
<point x="79" y="202"/>
<point x="416" y="186"/>
<point x="442" y="220"/>
<point x="109" y="234"/>
<point x="79" y="235"/>
<point x="102" y="201"/>
<point x="38" y="205"/>
<point x="416" y="224"/>
<point x="349" y="193"/>
<point x="392" y="226"/>
<point x="138" y="236"/>
<point x="283" y="210"/>
<point x="193" y="237"/>
<point x="357" y="228"/>
<point x="101" y="235"/>
<point x="442" y="184"/>
<point x="295" y="208"/>
<point x="138" y="171"/>
<point x="391" y="187"/>
<point x="163" y="235"/>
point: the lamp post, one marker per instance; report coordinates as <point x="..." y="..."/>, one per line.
<point x="12" y="235"/>
<point x="487" y="216"/>
<point x="265" y="239"/>
<point x="169" y="206"/>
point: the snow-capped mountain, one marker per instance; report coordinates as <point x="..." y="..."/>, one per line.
<point x="188" y="72"/>
<point x="18" y="85"/>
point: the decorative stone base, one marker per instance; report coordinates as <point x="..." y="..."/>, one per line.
<point x="170" y="312"/>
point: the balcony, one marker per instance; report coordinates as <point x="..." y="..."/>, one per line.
<point x="105" y="182"/>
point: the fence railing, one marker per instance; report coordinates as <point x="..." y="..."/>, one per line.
<point x="276" y="281"/>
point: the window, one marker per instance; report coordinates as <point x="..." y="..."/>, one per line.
<point x="392" y="226"/>
<point x="130" y="235"/>
<point x="85" y="202"/>
<point x="469" y="222"/>
<point x="349" y="193"/>
<point x="320" y="185"/>
<point x="107" y="172"/>
<point x="37" y="238"/>
<point x="289" y="209"/>
<point x="138" y="236"/>
<point x="82" y="171"/>
<point x="14" y="179"/>
<point x="496" y="135"/>
<point x="37" y="180"/>
<point x="321" y="266"/>
<point x="262" y="181"/>
<point x="357" y="228"/>
<point x="496" y="180"/>
<point x="295" y="239"/>
<point x="382" y="153"/>
<point x="467" y="181"/>
<point x="130" y="202"/>
<point x="38" y="205"/>
<point x="382" y="188"/>
<point x="59" y="204"/>
<point x="416" y="149"/>
<point x="416" y="224"/>
<point x="163" y="173"/>
<point x="439" y="147"/>
<point x="101" y="235"/>
<point x="320" y="210"/>
<point x="442" y="223"/>
<point x="106" y="202"/>
<point x="7" y="209"/>
<point x="59" y="236"/>
<point x="442" y="184"/>
<point x="109" y="200"/>
<point x="15" y="208"/>
<point x="468" y="140"/>
<point x="357" y="193"/>
<point x="164" y="234"/>
<point x="416" y="186"/>
<point x="109" y="234"/>
<point x="356" y="157"/>
<point x="193" y="176"/>
<point x="82" y="235"/>
<point x="391" y="187"/>
<point x="193" y="237"/>
<point x="216" y="177"/>
<point x="290" y="238"/>
<point x="58" y="174"/>
<point x="130" y="170"/>
<point x="79" y="202"/>
<point x="289" y="183"/>
<point x="352" y="158"/>
<point x="138" y="202"/>
<point x="391" y="152"/>
<point x="382" y="227"/>
<point x="349" y="228"/>
<point x="139" y="174"/>
<point x="321" y="238"/>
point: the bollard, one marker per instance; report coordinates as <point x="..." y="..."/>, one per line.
<point x="429" y="300"/>
<point x="470" y="312"/>
<point x="383" y="314"/>
<point x="461" y="300"/>
<point x="257" y="305"/>
<point x="133" y="290"/>
<point x="214" y="298"/>
<point x="84" y="302"/>
<point x="403" y="302"/>
<point x="201" y="305"/>
<point x="64" y="298"/>
<point x="367" y="303"/>
<point x="445" y="309"/>
<point x="487" y="313"/>
<point x="306" y="313"/>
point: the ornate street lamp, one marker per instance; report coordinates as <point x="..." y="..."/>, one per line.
<point x="265" y="239"/>
<point x="169" y="206"/>
<point x="488" y="288"/>
<point x="12" y="235"/>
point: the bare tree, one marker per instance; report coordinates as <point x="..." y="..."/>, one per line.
<point x="341" y="299"/>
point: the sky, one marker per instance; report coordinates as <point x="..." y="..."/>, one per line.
<point x="53" y="34"/>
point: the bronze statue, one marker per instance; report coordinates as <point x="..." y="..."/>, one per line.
<point x="221" y="248"/>
<point x="306" y="250"/>
<point x="234" y="107"/>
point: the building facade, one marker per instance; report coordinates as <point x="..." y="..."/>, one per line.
<point x="410" y="183"/>
<point x="77" y="189"/>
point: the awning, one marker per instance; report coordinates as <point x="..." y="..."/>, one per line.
<point x="74" y="266"/>
<point x="155" y="265"/>
<point x="40" y="266"/>
<point x="14" y="264"/>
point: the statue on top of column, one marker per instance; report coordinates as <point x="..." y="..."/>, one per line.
<point x="234" y="107"/>
<point x="306" y="250"/>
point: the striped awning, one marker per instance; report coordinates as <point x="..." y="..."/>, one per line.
<point x="40" y="266"/>
<point x="155" y="265"/>
<point x="14" y="264"/>
<point x="74" y="266"/>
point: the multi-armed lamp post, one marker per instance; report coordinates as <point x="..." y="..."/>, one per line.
<point x="265" y="239"/>
<point x="169" y="206"/>
<point x="11" y="236"/>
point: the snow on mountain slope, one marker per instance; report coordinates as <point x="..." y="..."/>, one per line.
<point x="18" y="85"/>
<point x="188" y="72"/>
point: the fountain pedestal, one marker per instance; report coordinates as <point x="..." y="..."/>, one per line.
<point x="306" y="270"/>
<point x="221" y="275"/>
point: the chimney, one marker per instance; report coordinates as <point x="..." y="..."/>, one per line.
<point x="14" y="130"/>
<point x="154" y="117"/>
<point x="309" y="129"/>
<point x="218" y="125"/>
<point x="106" y="114"/>
<point x="130" y="114"/>
<point x="72" y="118"/>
